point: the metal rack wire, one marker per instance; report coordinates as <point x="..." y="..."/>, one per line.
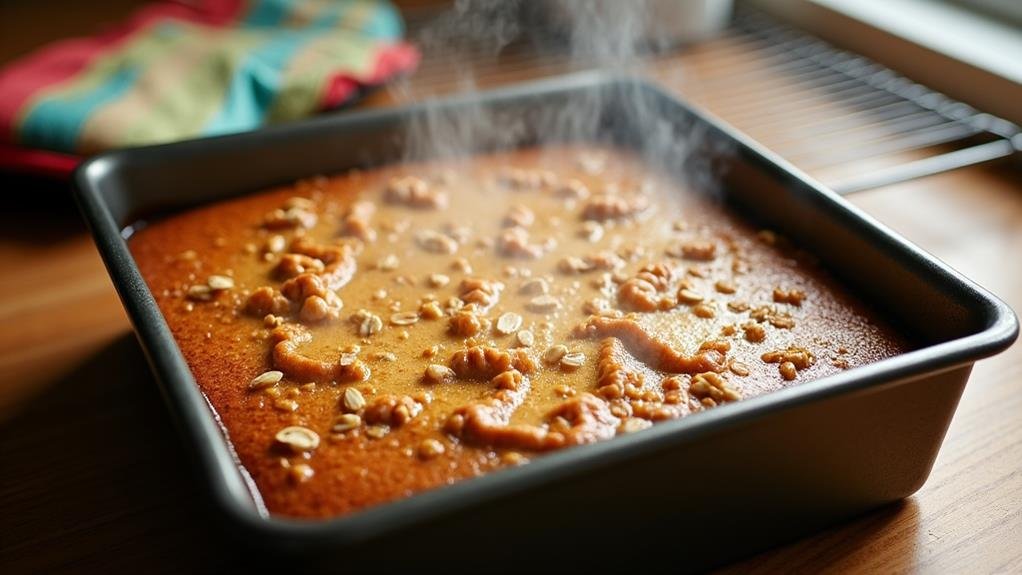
<point x="847" y="120"/>
<point x="912" y="117"/>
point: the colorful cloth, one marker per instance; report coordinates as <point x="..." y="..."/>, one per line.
<point x="185" y="69"/>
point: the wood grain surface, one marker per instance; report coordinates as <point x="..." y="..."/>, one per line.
<point x="94" y="479"/>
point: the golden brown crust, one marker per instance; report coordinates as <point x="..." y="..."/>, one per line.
<point x="375" y="334"/>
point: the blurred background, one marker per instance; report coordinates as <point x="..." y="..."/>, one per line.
<point x="908" y="107"/>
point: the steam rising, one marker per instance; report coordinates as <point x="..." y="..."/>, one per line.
<point x="609" y="35"/>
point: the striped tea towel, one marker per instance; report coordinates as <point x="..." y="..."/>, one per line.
<point x="184" y="69"/>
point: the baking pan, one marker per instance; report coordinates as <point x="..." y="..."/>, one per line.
<point x="695" y="492"/>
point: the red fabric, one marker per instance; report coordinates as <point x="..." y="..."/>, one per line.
<point x="390" y="60"/>
<point x="51" y="65"/>
<point x="37" y="162"/>
<point x="337" y="90"/>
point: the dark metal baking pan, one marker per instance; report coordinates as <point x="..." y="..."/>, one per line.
<point x="697" y="491"/>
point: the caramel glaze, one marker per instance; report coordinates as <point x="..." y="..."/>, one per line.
<point x="394" y="282"/>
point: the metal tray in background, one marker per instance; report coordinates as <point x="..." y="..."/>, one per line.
<point x="698" y="491"/>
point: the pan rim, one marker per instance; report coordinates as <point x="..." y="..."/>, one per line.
<point x="225" y="476"/>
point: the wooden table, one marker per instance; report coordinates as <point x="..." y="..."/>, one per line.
<point x="93" y="477"/>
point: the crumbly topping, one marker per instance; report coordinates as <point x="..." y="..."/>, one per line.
<point x="609" y="207"/>
<point x="485" y="362"/>
<point x="544" y="305"/>
<point x="391" y="410"/>
<point x="356" y="221"/>
<point x="514" y="242"/>
<point x="643" y="292"/>
<point x="790" y="360"/>
<point x="415" y="193"/>
<point x="481" y="292"/>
